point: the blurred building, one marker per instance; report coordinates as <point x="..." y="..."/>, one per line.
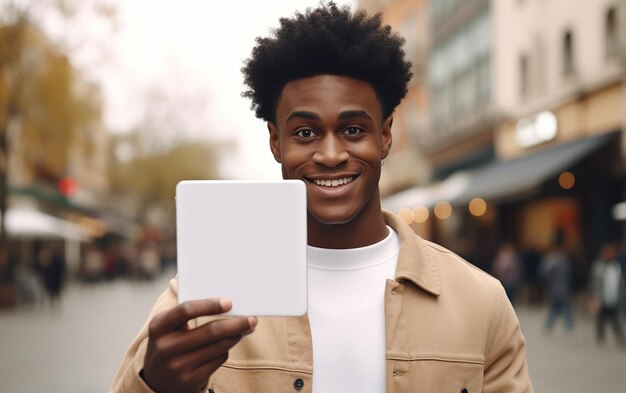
<point x="525" y="135"/>
<point x="564" y="98"/>
<point x="55" y="190"/>
<point x="405" y="166"/>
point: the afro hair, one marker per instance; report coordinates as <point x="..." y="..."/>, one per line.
<point x="327" y="40"/>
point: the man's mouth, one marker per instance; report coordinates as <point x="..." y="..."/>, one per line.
<point x="333" y="182"/>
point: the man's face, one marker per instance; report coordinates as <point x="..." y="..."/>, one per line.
<point x="330" y="133"/>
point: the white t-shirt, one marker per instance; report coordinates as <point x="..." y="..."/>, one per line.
<point x="347" y="315"/>
<point x="612" y="277"/>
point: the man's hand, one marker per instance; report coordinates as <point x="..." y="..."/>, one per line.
<point x="179" y="359"/>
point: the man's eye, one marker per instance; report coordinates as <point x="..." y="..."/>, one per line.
<point x="305" y="133"/>
<point x="352" y="131"/>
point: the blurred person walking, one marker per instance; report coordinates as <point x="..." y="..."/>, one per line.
<point x="531" y="258"/>
<point x="93" y="264"/>
<point x="608" y="288"/>
<point x="52" y="269"/>
<point x="556" y="270"/>
<point x="621" y="258"/>
<point x="507" y="267"/>
<point x="149" y="262"/>
<point x="111" y="263"/>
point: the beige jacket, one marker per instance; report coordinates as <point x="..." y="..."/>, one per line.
<point x="449" y="327"/>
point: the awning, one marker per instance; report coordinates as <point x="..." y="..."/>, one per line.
<point x="524" y="176"/>
<point x="500" y="179"/>
<point x="25" y="222"/>
<point x="449" y="189"/>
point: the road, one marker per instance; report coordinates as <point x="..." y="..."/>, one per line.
<point x="77" y="347"/>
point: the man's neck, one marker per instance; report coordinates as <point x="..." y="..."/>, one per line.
<point x="367" y="228"/>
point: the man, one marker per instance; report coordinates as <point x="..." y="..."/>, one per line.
<point x="608" y="287"/>
<point x="507" y="267"/>
<point x="556" y="270"/>
<point x="388" y="311"/>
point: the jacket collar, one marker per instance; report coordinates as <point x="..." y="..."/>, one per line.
<point x="415" y="263"/>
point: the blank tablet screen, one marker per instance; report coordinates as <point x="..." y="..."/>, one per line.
<point x="245" y="241"/>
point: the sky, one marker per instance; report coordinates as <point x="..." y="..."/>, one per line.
<point x="193" y="50"/>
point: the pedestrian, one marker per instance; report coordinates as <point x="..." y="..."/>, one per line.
<point x="326" y="82"/>
<point x="93" y="264"/>
<point x="621" y="258"/>
<point x="30" y="289"/>
<point x="110" y="262"/>
<point x="556" y="270"/>
<point x="507" y="267"/>
<point x="149" y="262"/>
<point x="608" y="288"/>
<point x="52" y="269"/>
<point x="531" y="258"/>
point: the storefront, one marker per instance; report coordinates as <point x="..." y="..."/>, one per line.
<point x="570" y="187"/>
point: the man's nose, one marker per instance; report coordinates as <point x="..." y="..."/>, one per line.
<point x="331" y="151"/>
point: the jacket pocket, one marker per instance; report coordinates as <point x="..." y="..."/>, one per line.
<point x="228" y="379"/>
<point x="436" y="375"/>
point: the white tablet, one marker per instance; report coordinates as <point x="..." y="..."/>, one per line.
<point x="245" y="241"/>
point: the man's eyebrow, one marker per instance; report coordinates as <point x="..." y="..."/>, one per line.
<point x="302" y="115"/>
<point x="351" y="114"/>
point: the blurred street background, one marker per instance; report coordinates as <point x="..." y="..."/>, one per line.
<point x="77" y="346"/>
<point x="509" y="149"/>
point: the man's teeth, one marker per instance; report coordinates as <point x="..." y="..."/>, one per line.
<point x="334" y="182"/>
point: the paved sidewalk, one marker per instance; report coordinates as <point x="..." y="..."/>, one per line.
<point x="571" y="362"/>
<point x="77" y="348"/>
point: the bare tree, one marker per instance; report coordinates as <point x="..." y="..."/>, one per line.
<point x="161" y="150"/>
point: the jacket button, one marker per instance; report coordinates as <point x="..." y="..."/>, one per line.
<point x="298" y="384"/>
<point x="464" y="390"/>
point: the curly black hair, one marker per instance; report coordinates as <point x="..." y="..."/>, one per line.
<point x="327" y="40"/>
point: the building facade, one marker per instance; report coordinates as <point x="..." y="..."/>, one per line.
<point x="561" y="86"/>
<point x="57" y="178"/>
<point x="406" y="166"/>
<point x="527" y="108"/>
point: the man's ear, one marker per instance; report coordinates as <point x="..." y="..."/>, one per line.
<point x="274" y="140"/>
<point x="386" y="136"/>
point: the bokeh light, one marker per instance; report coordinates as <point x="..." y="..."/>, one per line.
<point x="443" y="210"/>
<point x="420" y="213"/>
<point x="567" y="180"/>
<point x="477" y="207"/>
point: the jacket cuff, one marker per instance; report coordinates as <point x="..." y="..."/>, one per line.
<point x="136" y="382"/>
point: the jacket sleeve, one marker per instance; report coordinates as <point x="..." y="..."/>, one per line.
<point x="506" y="369"/>
<point x="127" y="378"/>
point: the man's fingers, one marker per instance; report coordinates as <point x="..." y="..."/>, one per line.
<point x="177" y="317"/>
<point x="207" y="334"/>
<point x="217" y="330"/>
<point x="200" y="356"/>
<point x="205" y="370"/>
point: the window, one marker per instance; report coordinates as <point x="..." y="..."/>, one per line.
<point x="523" y="75"/>
<point x="568" y="53"/>
<point x="538" y="66"/>
<point x="610" y="33"/>
<point x="459" y="74"/>
<point x="484" y="76"/>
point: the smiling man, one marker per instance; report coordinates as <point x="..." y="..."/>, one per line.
<point x="330" y="131"/>
<point x="388" y="311"/>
